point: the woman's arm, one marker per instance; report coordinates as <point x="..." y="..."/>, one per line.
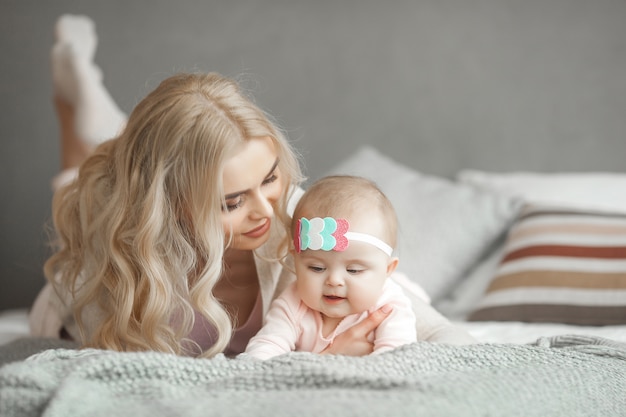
<point x="433" y="327"/>
<point x="44" y="318"/>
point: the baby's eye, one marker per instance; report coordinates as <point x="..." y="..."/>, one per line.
<point x="354" y="271"/>
<point x="315" y="268"/>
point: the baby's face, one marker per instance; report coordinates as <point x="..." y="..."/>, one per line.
<point x="338" y="284"/>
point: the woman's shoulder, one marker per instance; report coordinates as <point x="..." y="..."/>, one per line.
<point x="296" y="195"/>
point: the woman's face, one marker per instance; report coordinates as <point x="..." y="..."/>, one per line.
<point x="252" y="187"/>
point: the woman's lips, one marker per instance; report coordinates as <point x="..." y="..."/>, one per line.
<point x="259" y="231"/>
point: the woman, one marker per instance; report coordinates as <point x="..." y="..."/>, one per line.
<point x="170" y="236"/>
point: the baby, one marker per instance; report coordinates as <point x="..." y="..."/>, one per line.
<point x="344" y="231"/>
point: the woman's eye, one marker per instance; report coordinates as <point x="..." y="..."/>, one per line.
<point x="233" y="204"/>
<point x="270" y="179"/>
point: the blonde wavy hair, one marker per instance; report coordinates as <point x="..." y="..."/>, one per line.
<point x="139" y="232"/>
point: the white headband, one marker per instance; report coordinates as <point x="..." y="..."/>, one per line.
<point x="331" y="234"/>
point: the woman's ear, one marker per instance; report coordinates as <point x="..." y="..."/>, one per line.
<point x="392" y="265"/>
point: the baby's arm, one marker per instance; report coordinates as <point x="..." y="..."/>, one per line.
<point x="280" y="332"/>
<point x="399" y="328"/>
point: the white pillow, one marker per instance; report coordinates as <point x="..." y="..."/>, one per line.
<point x="445" y="227"/>
<point x="594" y="190"/>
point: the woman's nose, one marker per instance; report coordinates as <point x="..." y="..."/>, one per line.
<point x="262" y="206"/>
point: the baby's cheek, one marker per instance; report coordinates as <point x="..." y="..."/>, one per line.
<point x="304" y="288"/>
<point x="365" y="296"/>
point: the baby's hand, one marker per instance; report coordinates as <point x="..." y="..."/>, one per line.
<point x="354" y="341"/>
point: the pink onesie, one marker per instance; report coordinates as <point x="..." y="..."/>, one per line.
<point x="292" y="326"/>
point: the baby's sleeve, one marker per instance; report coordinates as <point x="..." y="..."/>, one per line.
<point x="399" y="328"/>
<point x="280" y="332"/>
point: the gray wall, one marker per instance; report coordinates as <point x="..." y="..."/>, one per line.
<point x="438" y="84"/>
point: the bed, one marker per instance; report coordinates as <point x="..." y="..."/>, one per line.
<point x="532" y="265"/>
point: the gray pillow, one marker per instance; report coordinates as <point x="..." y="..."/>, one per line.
<point x="445" y="227"/>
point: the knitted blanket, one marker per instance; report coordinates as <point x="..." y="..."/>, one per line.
<point x="560" y="376"/>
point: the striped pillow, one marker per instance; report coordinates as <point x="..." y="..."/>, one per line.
<point x="561" y="266"/>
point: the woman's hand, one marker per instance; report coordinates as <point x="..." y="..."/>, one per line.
<point x="353" y="342"/>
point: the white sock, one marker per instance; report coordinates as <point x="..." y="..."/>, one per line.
<point x="78" y="80"/>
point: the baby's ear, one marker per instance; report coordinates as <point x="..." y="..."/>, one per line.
<point x="392" y="265"/>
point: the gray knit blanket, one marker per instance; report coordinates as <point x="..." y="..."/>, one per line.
<point x="560" y="376"/>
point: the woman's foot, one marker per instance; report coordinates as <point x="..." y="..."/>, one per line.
<point x="75" y="45"/>
<point x="78" y="83"/>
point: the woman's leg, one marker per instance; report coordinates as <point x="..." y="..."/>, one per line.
<point x="73" y="150"/>
<point x="87" y="116"/>
<point x="87" y="113"/>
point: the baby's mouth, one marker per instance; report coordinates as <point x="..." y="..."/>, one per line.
<point x="333" y="298"/>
